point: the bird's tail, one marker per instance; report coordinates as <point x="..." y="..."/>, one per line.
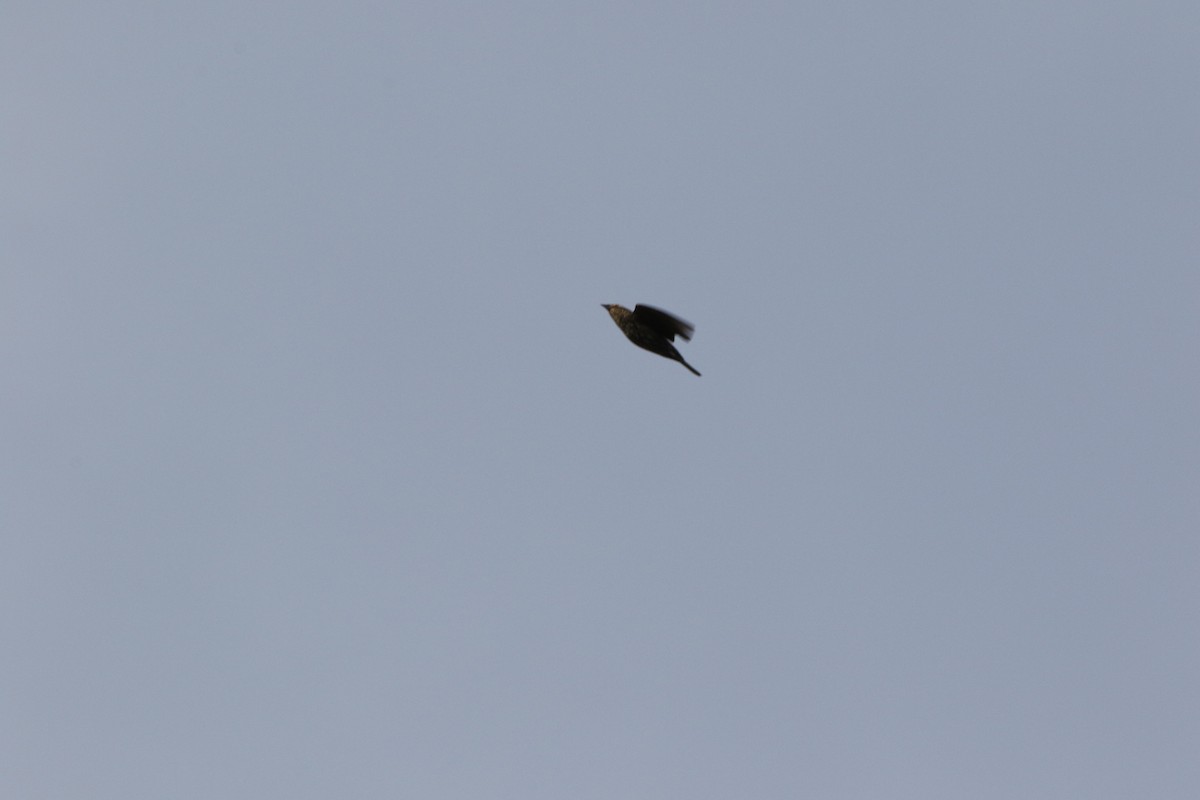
<point x="689" y="366"/>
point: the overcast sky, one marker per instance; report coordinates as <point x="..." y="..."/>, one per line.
<point x="324" y="474"/>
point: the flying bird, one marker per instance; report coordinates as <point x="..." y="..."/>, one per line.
<point x="652" y="329"/>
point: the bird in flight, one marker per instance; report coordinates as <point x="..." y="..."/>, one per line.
<point x="652" y="329"/>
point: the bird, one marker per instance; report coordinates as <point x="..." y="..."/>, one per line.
<point x="652" y="329"/>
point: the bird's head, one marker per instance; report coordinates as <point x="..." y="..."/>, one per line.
<point x="615" y="311"/>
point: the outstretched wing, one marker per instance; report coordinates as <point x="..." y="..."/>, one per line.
<point x="664" y="323"/>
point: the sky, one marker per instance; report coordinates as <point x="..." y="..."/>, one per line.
<point x="324" y="474"/>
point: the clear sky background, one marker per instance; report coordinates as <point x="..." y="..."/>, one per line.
<point x="324" y="474"/>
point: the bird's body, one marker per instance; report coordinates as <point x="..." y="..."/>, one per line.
<point x="652" y="329"/>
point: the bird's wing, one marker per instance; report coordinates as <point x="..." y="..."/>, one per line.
<point x="663" y="322"/>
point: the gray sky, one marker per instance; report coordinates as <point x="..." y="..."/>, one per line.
<point x="324" y="474"/>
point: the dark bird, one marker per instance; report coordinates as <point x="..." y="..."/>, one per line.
<point x="652" y="329"/>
